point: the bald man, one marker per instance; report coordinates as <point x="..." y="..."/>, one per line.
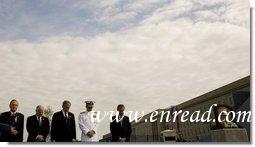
<point x="15" y="120"/>
<point x="38" y="126"/>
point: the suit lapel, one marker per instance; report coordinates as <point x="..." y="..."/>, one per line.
<point x="42" y="121"/>
<point x="62" y="118"/>
<point x="9" y="117"/>
<point x="36" y="121"/>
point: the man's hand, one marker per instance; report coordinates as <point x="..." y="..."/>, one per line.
<point x="122" y="139"/>
<point x="39" y="138"/>
<point x="91" y="133"/>
<point x="14" y="131"/>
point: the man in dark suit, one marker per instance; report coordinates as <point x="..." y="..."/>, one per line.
<point x="120" y="126"/>
<point x="15" y="120"/>
<point x="63" y="125"/>
<point x="38" y="126"/>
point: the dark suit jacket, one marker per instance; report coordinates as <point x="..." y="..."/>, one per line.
<point x="6" y="118"/>
<point x="34" y="129"/>
<point x="62" y="131"/>
<point x="4" y="129"/>
<point x="120" y="131"/>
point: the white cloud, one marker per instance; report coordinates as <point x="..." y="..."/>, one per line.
<point x="115" y="17"/>
<point x="141" y="5"/>
<point x="94" y="3"/>
<point x="159" y="62"/>
<point x="174" y="9"/>
<point x="209" y="2"/>
<point x="207" y="15"/>
<point x="234" y="12"/>
<point x="238" y="12"/>
<point x="146" y="64"/>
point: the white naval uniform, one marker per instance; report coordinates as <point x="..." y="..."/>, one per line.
<point x="86" y="124"/>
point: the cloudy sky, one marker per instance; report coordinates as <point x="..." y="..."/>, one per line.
<point x="147" y="54"/>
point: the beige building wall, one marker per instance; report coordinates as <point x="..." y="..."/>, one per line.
<point x="146" y="131"/>
<point x="223" y="95"/>
<point x="150" y="131"/>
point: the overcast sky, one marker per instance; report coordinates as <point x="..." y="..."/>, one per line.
<point x="147" y="54"/>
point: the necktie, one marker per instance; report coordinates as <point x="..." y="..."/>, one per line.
<point x="66" y="117"/>
<point x="121" y="120"/>
<point x="13" y="119"/>
<point x="39" y="121"/>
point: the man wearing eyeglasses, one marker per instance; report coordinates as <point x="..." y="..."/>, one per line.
<point x="88" y="123"/>
<point x="14" y="121"/>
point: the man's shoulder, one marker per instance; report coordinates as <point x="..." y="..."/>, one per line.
<point x="5" y="113"/>
<point x="126" y="117"/>
<point x="30" y="117"/>
<point x="20" y="114"/>
<point x="70" y="113"/>
<point x="83" y="113"/>
<point x="45" y="118"/>
<point x="57" y="113"/>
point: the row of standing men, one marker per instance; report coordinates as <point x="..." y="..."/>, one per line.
<point x="62" y="127"/>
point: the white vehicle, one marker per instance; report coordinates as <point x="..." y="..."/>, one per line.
<point x="168" y="136"/>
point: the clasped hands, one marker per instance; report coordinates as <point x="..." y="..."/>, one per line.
<point x="39" y="138"/>
<point x="14" y="131"/>
<point x="91" y="133"/>
<point x="122" y="139"/>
